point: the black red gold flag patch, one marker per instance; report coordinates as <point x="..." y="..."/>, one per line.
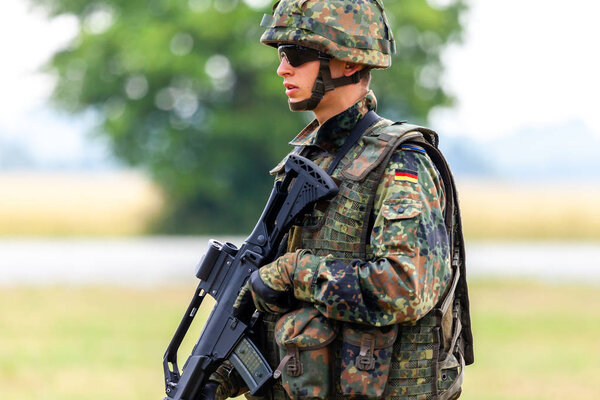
<point x="406" y="175"/>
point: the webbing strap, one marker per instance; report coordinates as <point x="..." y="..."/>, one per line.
<point x="458" y="250"/>
<point x="368" y="120"/>
<point x="450" y="292"/>
<point x="442" y="166"/>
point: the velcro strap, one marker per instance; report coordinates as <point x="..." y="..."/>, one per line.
<point x="420" y="389"/>
<point x="411" y="373"/>
<point x="414" y="355"/>
<point x="332" y="245"/>
<point x="418" y="337"/>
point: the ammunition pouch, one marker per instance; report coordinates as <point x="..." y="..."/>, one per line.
<point x="303" y="337"/>
<point x="365" y="360"/>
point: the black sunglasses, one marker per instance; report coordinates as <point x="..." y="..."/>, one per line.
<point x="297" y="55"/>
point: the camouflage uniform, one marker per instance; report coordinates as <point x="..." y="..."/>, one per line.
<point x="408" y="263"/>
<point x="372" y="271"/>
<point x="401" y="276"/>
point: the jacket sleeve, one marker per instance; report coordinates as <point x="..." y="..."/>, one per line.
<point x="408" y="266"/>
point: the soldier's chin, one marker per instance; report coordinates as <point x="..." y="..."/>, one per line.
<point x="297" y="105"/>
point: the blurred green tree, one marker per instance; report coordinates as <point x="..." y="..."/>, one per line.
<point x="184" y="89"/>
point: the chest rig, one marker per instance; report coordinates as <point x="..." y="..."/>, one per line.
<point x="342" y="227"/>
<point x="429" y="355"/>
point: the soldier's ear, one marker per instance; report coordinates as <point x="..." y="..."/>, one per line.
<point x="351" y="68"/>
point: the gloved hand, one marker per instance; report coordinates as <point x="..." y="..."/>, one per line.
<point x="225" y="382"/>
<point x="275" y="287"/>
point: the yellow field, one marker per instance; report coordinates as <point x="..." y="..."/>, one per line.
<point x="124" y="203"/>
<point x="543" y="211"/>
<point x="76" y="204"/>
<point x="533" y="341"/>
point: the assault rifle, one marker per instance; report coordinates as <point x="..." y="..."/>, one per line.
<point x="223" y="271"/>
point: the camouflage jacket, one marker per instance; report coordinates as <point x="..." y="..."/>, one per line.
<point x="407" y="266"/>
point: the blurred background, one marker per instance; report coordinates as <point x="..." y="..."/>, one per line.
<point x="132" y="131"/>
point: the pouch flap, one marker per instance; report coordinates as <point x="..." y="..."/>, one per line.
<point x="305" y="328"/>
<point x="449" y="362"/>
<point x="401" y="208"/>
<point x="383" y="337"/>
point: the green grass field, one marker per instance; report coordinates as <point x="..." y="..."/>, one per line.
<point x="533" y="341"/>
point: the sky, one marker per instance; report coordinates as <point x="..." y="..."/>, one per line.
<point x="27" y="40"/>
<point x="527" y="64"/>
<point x="524" y="63"/>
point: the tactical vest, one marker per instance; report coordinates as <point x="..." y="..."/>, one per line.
<point x="429" y="355"/>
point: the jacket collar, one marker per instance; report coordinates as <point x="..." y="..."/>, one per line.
<point x="333" y="133"/>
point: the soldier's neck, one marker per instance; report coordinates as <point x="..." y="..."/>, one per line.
<point x="338" y="100"/>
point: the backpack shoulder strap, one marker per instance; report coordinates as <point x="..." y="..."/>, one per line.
<point x="454" y="223"/>
<point x="378" y="146"/>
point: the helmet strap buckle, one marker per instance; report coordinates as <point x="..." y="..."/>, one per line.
<point x="325" y="74"/>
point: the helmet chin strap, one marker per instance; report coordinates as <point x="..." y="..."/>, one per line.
<point x="323" y="84"/>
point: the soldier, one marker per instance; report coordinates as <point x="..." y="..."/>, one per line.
<point x="368" y="299"/>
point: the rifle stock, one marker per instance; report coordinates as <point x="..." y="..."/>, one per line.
<point x="223" y="271"/>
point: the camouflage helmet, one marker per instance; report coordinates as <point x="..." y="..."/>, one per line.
<point x="356" y="31"/>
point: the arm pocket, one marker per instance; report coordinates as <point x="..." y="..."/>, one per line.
<point x="303" y="337"/>
<point x="366" y="358"/>
<point x="400" y="225"/>
<point x="401" y="208"/>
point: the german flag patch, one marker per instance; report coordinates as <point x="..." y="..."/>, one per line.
<point x="406" y="175"/>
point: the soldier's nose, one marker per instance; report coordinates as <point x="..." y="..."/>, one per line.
<point x="284" y="67"/>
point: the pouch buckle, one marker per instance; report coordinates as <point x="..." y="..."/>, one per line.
<point x="294" y="365"/>
<point x="291" y="362"/>
<point x="365" y="360"/>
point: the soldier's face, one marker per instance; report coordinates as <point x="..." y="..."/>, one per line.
<point x="298" y="81"/>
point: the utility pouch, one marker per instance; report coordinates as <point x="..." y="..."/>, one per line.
<point x="303" y="337"/>
<point x="451" y="364"/>
<point x="366" y="356"/>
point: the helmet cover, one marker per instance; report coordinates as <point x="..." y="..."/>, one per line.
<point x="356" y="31"/>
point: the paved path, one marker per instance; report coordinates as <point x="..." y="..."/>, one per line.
<point x="143" y="261"/>
<point x="155" y="260"/>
